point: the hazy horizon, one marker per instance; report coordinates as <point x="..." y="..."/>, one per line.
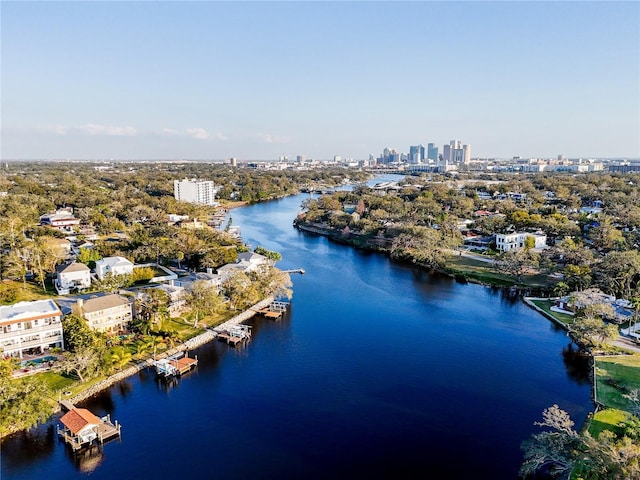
<point x="260" y="80"/>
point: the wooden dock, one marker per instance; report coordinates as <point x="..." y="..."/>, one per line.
<point x="295" y="270"/>
<point x="174" y="365"/>
<point x="235" y="335"/>
<point x="275" y="310"/>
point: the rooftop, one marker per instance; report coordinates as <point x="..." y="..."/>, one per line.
<point x="78" y="418"/>
<point x="104" y="302"/>
<point x="26" y="310"/>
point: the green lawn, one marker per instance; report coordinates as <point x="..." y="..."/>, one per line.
<point x="615" y="376"/>
<point x="485" y="272"/>
<point x="13" y="292"/>
<point x="546" y="306"/>
<point x="57" y="381"/>
<point x="607" y="419"/>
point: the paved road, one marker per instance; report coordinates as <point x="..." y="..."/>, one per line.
<point x="626" y="343"/>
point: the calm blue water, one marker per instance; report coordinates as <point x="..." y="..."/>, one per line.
<point x="377" y="370"/>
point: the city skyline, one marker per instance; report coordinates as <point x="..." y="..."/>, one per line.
<point x="261" y="80"/>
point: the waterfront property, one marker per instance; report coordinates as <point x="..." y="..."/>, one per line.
<point x="81" y="428"/>
<point x="516" y="241"/>
<point x="108" y="314"/>
<point x="30" y="328"/>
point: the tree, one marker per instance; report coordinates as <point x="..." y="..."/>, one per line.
<point x="240" y="290"/>
<point x="120" y="356"/>
<point x="24" y="402"/>
<point x="517" y="263"/>
<point x="619" y="272"/>
<point x="588" y="330"/>
<point x="203" y="300"/>
<point x="270" y="254"/>
<point x="85" y="363"/>
<point x="271" y="281"/>
<point x="561" y="451"/>
<point x="88" y="256"/>
<point x="77" y="334"/>
<point x="555" y="450"/>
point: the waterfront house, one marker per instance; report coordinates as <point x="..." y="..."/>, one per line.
<point x="515" y="241"/>
<point x="251" y="261"/>
<point x="113" y="266"/>
<point x="108" y="313"/>
<point x="72" y="276"/>
<point x="30" y="328"/>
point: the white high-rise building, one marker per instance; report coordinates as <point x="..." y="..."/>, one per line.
<point x="202" y="192"/>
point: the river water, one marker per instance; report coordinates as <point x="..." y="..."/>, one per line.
<point x="377" y="371"/>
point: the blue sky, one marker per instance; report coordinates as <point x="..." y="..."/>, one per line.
<point x="256" y="80"/>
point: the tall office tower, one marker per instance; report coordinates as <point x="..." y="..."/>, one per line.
<point x="195" y="191"/>
<point x="300" y="158"/>
<point x="454" y="153"/>
<point x="432" y="152"/>
<point x="416" y="154"/>
<point x="446" y="154"/>
<point x="466" y="154"/>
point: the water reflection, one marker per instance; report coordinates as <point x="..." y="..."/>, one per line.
<point x="577" y="364"/>
<point x="101" y="403"/>
<point x="87" y="459"/>
<point x="20" y="450"/>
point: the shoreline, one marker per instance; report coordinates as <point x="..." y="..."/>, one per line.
<point x="207" y="336"/>
<point x="335" y="237"/>
<point x="194" y="342"/>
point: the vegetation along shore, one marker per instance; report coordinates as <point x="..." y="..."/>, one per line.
<point x="124" y="273"/>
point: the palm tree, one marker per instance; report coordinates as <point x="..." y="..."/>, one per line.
<point x="156" y="341"/>
<point x="120" y="356"/>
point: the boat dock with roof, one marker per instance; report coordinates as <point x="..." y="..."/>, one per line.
<point x="80" y="428"/>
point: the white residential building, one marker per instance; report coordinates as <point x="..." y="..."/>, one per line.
<point x="72" y="276"/>
<point x="30" y="328"/>
<point x="114" y="266"/>
<point x="62" y="219"/>
<point x="515" y="241"/>
<point x="202" y="192"/>
<point x="108" y="314"/>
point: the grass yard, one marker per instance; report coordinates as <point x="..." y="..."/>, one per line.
<point x="615" y="376"/>
<point x="546" y="306"/>
<point x="476" y="270"/>
<point x="14" y="292"/>
<point x="57" y="381"/>
<point x="485" y="272"/>
<point x="607" y="419"/>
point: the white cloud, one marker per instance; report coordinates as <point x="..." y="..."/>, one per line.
<point x="89" y="129"/>
<point x="199" y="133"/>
<point x="270" y="138"/>
<point x="93" y="129"/>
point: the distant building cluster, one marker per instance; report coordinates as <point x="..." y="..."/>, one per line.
<point x="454" y="155"/>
